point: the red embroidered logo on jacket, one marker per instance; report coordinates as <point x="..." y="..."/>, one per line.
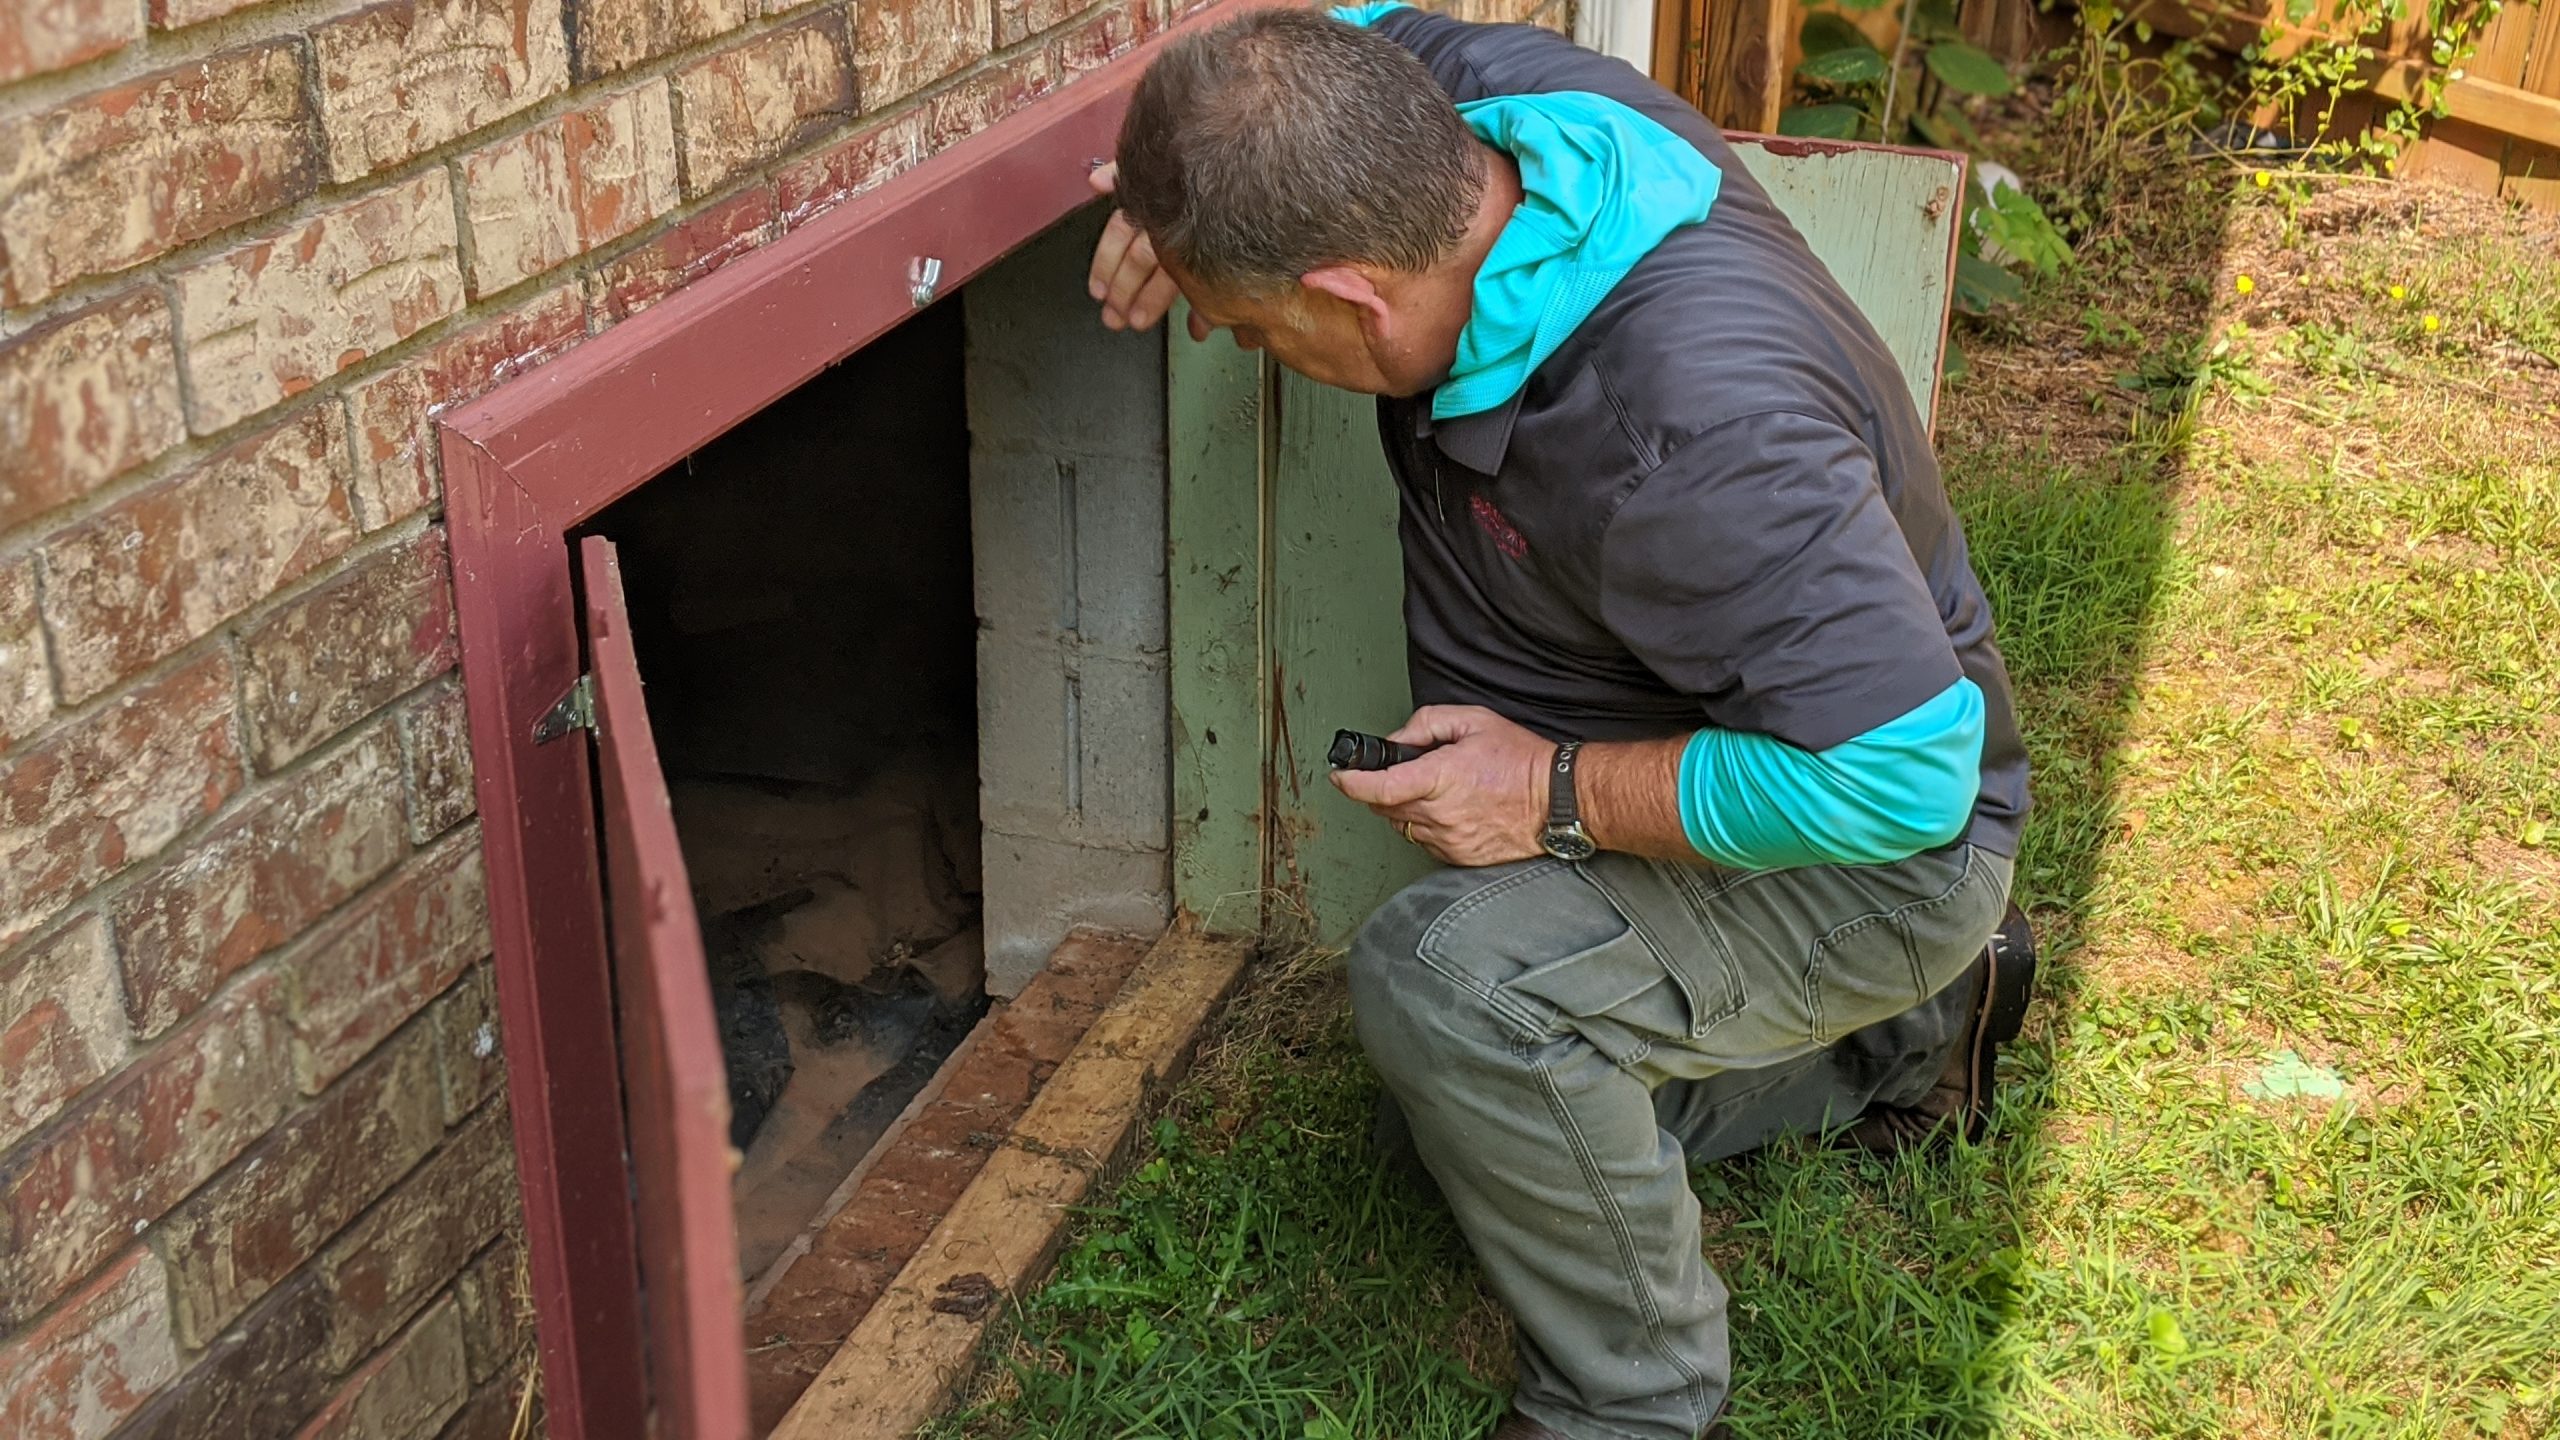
<point x="1494" y="523"/>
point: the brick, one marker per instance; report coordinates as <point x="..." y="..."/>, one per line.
<point x="162" y="569"/>
<point x="373" y="968"/>
<point x="1101" y="40"/>
<point x="435" y="744"/>
<point x="61" y="1025"/>
<point x="26" y="677"/>
<point x="750" y="103"/>
<point x="177" y="14"/>
<point x="400" y="79"/>
<point x="1019" y="20"/>
<point x="258" y="1381"/>
<point x="405" y="1393"/>
<point x="630" y="283"/>
<point x="490" y="1413"/>
<point x="411" y="1245"/>
<point x="394" y="412"/>
<point x="363" y="638"/>
<point x="133" y="171"/>
<point x="41" y="35"/>
<point x="469" y="1062"/>
<point x="985" y="98"/>
<point x="806" y="189"/>
<point x="77" y="1192"/>
<point x="268" y="874"/>
<point x="496" y="1305"/>
<point x="82" y="401"/>
<point x="112" y="791"/>
<point x="902" y="46"/>
<point x="614" y="34"/>
<point x="551" y="194"/>
<point x="256" y="1223"/>
<point x="271" y="319"/>
<point x="95" y="1361"/>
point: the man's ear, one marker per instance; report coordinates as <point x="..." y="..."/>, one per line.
<point x="1353" y="287"/>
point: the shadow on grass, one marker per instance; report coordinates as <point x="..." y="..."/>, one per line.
<point x="1258" y="1276"/>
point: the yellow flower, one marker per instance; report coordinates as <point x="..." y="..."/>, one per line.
<point x="2244" y="284"/>
<point x="2265" y="179"/>
<point x="2431" y="324"/>
<point x="2399" y="292"/>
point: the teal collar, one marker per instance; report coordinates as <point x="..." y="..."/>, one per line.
<point x="1601" y="186"/>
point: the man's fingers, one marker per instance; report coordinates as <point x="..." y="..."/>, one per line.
<point x="1154" y="298"/>
<point x="1104" y="178"/>
<point x="1384" y="789"/>
<point x="1117" y="235"/>
<point x="1440" y="724"/>
<point x="1137" y="270"/>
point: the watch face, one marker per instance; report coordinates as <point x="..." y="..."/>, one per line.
<point x="1568" y="843"/>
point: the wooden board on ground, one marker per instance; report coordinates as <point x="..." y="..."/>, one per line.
<point x="899" y="1366"/>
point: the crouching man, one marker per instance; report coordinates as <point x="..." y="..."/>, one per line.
<point x="1725" y="776"/>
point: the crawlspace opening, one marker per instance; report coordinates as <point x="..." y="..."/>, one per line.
<point x="902" y="638"/>
<point x="802" y="610"/>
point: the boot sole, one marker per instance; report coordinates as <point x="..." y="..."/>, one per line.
<point x="2008" y="984"/>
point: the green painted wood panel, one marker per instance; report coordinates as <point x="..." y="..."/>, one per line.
<point x="1884" y="221"/>
<point x="1336" y="635"/>
<point x="1214" y="574"/>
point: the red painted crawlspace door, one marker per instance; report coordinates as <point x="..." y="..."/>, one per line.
<point x="675" y="1087"/>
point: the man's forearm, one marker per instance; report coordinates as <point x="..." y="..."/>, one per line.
<point x="1629" y="795"/>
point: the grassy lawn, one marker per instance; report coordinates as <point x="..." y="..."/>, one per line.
<point x="2279" y="575"/>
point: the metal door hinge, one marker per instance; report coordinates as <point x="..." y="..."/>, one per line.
<point x="573" y="711"/>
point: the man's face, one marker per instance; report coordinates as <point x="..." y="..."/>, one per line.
<point x="1321" y="337"/>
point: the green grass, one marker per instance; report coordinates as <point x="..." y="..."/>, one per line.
<point x="2285" y="621"/>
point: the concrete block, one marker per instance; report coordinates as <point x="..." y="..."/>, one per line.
<point x="1038" y="890"/>
<point x="1072" y="748"/>
<point x="1031" y="326"/>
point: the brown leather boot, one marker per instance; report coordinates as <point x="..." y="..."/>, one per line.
<point x="2003" y="980"/>
<point x="1516" y="1426"/>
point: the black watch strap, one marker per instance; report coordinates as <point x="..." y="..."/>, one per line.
<point x="1561" y="811"/>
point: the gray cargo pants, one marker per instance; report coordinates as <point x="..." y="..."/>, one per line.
<point x="1565" y="1040"/>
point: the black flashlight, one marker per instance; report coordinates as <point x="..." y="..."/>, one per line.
<point x="1353" y="750"/>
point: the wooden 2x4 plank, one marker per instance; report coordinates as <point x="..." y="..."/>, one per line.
<point x="899" y="1366"/>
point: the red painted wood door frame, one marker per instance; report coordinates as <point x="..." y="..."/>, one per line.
<point x="540" y="456"/>
<point x="672" y="1070"/>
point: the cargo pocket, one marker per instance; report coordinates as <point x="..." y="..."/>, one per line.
<point x="1618" y="995"/>
<point x="1880" y="965"/>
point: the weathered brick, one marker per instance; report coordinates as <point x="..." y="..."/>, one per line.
<point x="257" y="1222"/>
<point x="551" y="194"/>
<point x="495" y="1306"/>
<point x="405" y="1393"/>
<point x="902" y="46"/>
<point x="750" y="103"/>
<point x="408" y="1247"/>
<point x="394" y="412"/>
<point x="399" y="79"/>
<point x="266" y="875"/>
<point x="490" y="1413"/>
<point x="435" y="740"/>
<point x="1019" y="20"/>
<point x="985" y="98"/>
<point x="176" y="14"/>
<point x="259" y="1381"/>
<point x="806" y="189"/>
<point x="358" y="641"/>
<point x="26" y="678"/>
<point x="271" y="319"/>
<point x="41" y="35"/>
<point x="469" y="1064"/>
<point x="630" y="283"/>
<point x="112" y="790"/>
<point x="83" y="400"/>
<point x="75" y="1193"/>
<point x="1101" y="40"/>
<point x="116" y="177"/>
<point x="95" y="1361"/>
<point x="373" y="968"/>
<point x="61" y="1027"/>
<point x="165" y="567"/>
<point x="614" y="34"/>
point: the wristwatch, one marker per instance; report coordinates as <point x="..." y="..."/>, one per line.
<point x="1564" y="837"/>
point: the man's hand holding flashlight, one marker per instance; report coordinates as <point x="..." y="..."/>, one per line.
<point x="1478" y="798"/>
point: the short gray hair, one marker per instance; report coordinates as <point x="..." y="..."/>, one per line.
<point x="1283" y="142"/>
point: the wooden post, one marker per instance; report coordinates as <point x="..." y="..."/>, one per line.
<point x="1737" y="54"/>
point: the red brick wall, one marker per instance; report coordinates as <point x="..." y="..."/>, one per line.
<point x="254" y="1170"/>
